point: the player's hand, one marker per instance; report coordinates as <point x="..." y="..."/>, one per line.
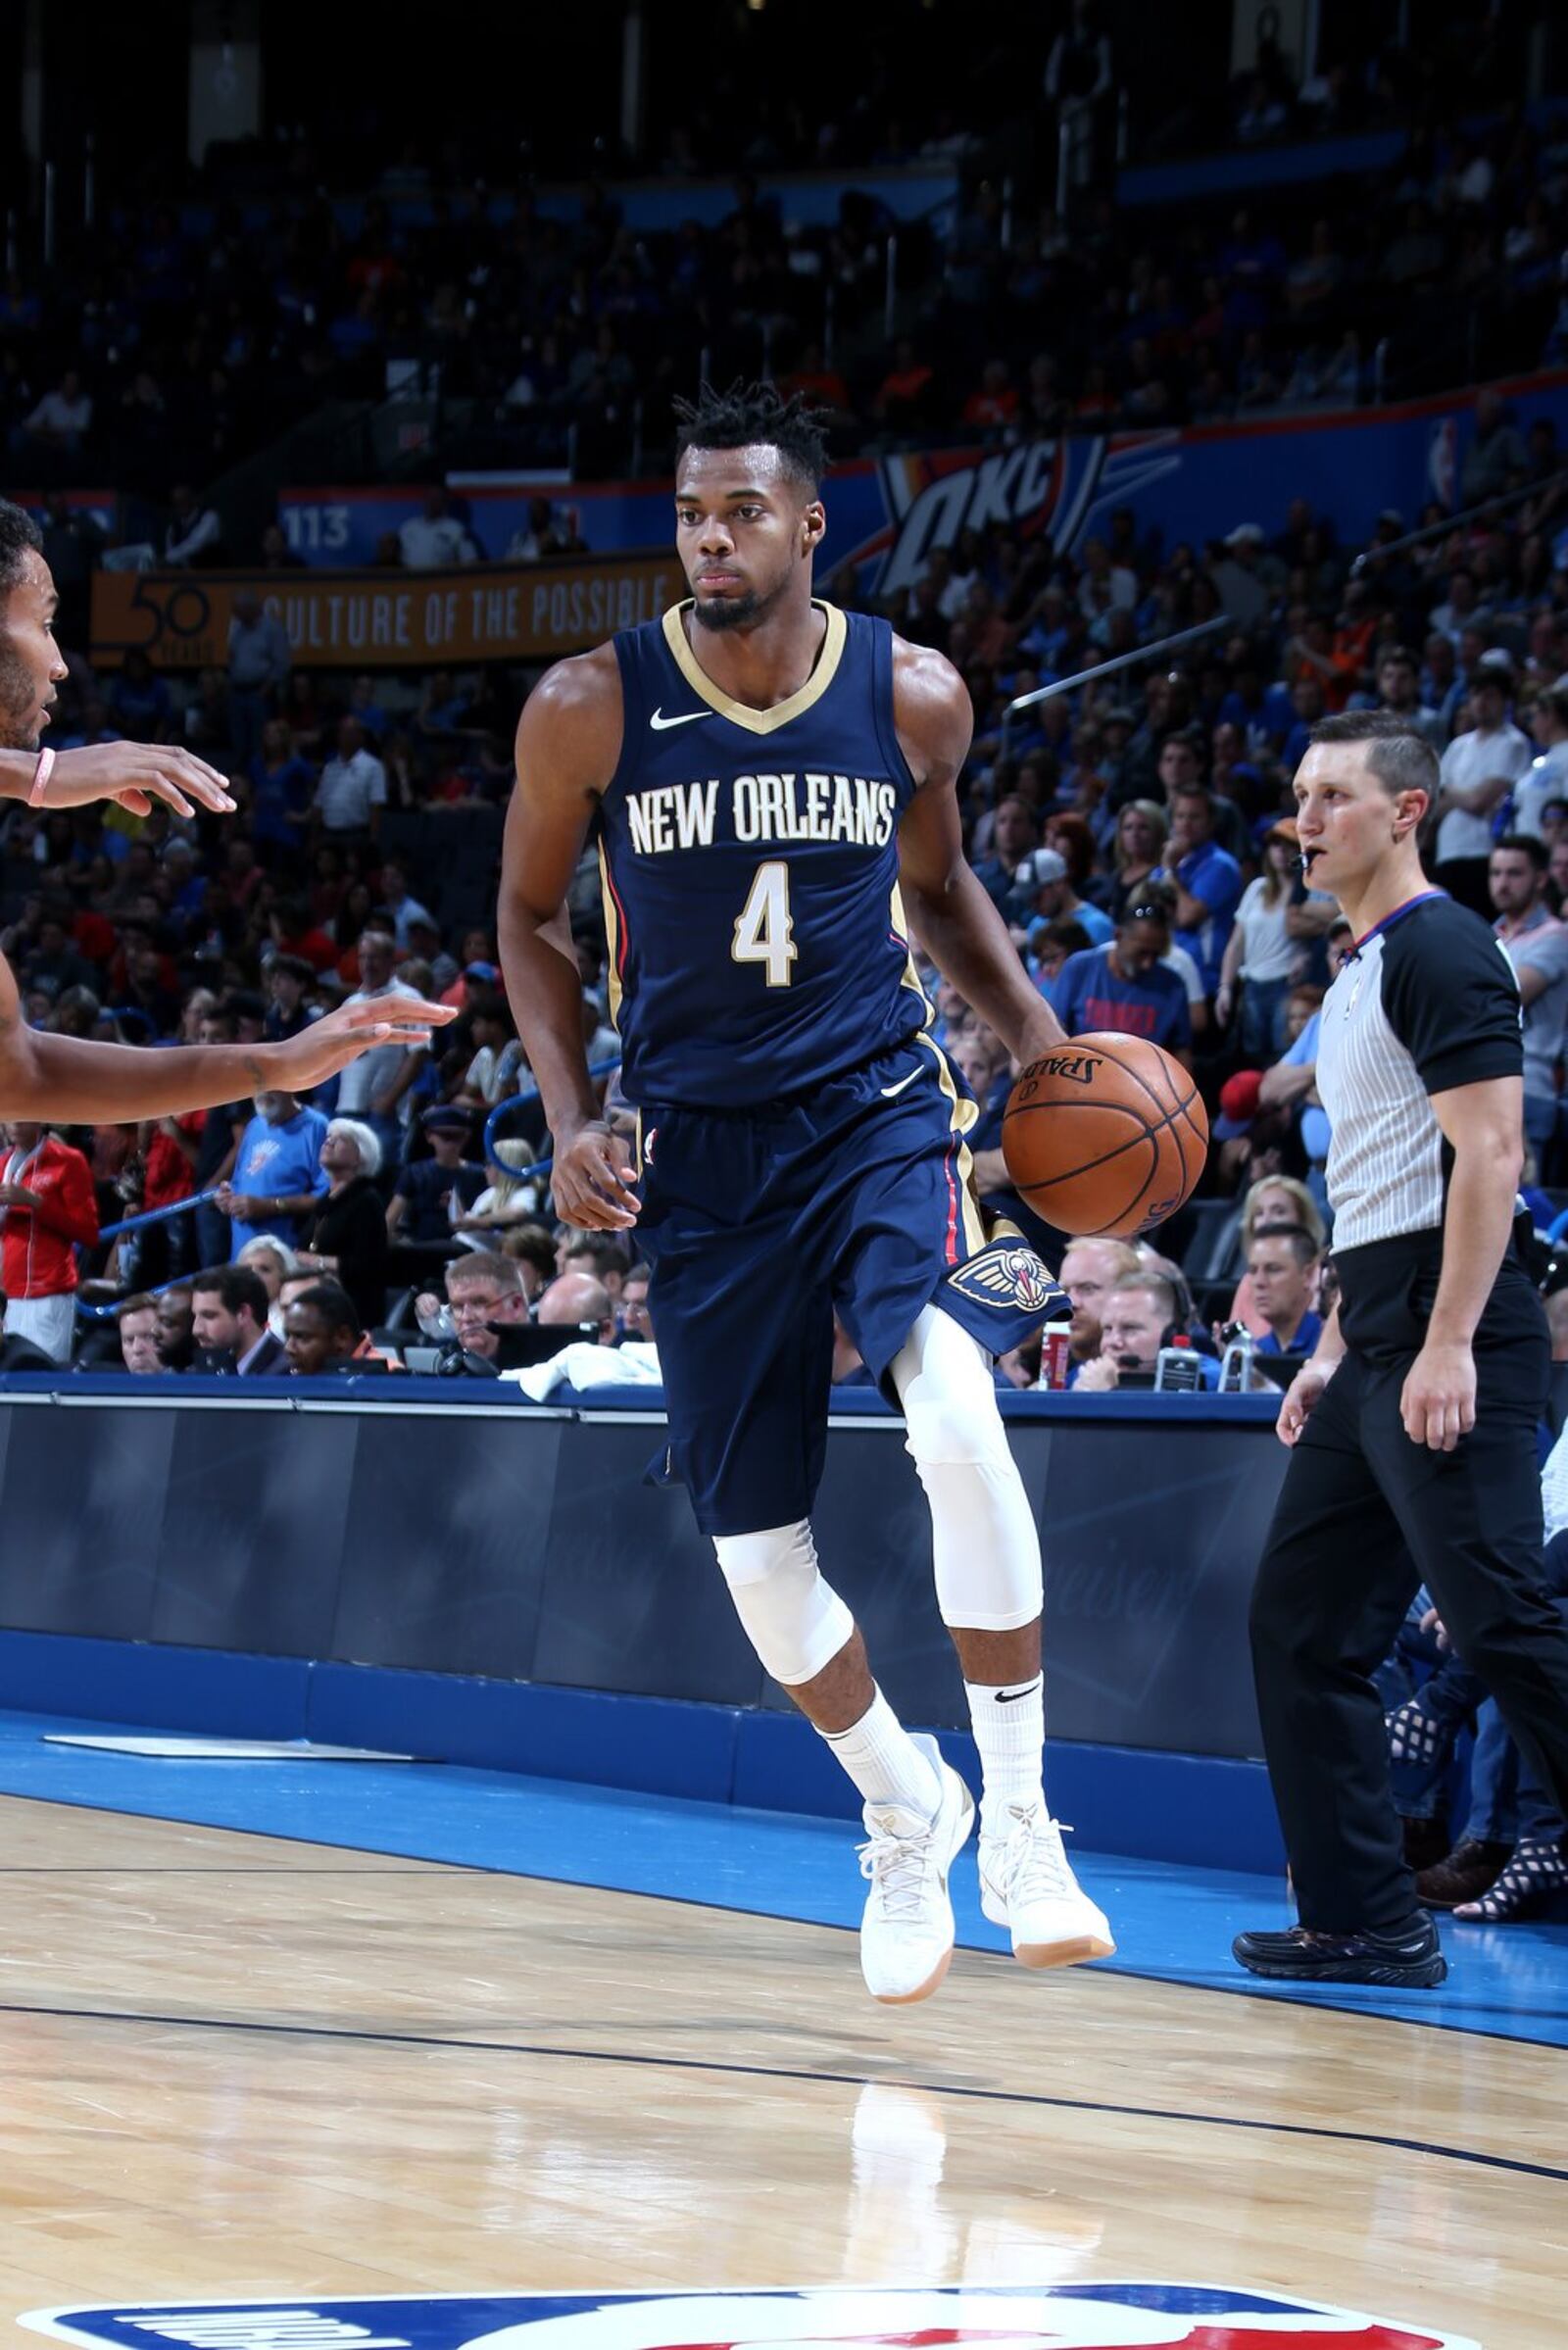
<point x="592" y="1181"/>
<point x="1433" y="1623"/>
<point x="135" y="774"/>
<point x="1438" y="1402"/>
<point x="1301" y="1400"/>
<point x="318" y="1052"/>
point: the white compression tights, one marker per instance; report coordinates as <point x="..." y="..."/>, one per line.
<point x="986" y="1543"/>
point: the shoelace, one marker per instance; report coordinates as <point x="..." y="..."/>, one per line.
<point x="895" y="1866"/>
<point x="1033" y="1862"/>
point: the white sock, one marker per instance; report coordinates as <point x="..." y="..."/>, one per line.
<point x="885" y="1763"/>
<point x="1009" y="1730"/>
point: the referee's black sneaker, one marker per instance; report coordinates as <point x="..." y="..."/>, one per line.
<point x="1410" y="1960"/>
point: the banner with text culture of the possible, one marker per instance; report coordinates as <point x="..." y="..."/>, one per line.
<point x="384" y="619"/>
<point x="885" y="515"/>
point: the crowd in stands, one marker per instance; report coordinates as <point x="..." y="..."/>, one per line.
<point x="193" y="324"/>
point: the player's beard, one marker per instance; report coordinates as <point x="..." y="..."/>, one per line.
<point x="20" y="730"/>
<point x="736" y="612"/>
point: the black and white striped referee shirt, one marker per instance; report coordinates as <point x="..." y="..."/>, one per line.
<point x="1427" y="1002"/>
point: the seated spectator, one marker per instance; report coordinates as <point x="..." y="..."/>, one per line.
<point x="507" y="1199"/>
<point x="532" y="1249"/>
<point x="1013" y="839"/>
<point x="279" y="1180"/>
<point x="1142" y="827"/>
<point x="435" y="539"/>
<point x="632" y="1312"/>
<point x="62" y="418"/>
<point x="1274" y="1201"/>
<point x="274" y="1261"/>
<point x="137" y="1325"/>
<point x="1282" y="1265"/>
<point x="1125" y="986"/>
<point x="176" y="1343"/>
<point x="321" y="1332"/>
<point x="229" y="1306"/>
<point x="346" y="1237"/>
<point x="1142" y="1312"/>
<point x="282" y="789"/>
<point x="194" y="536"/>
<point x="1056" y="899"/>
<point x="430" y="1193"/>
<point x="580" y="1301"/>
<point x="1049" y="945"/>
<point x="498" y="1056"/>
<point x="1090" y="1270"/>
<point x="50" y="1210"/>
<point x="487" y="1300"/>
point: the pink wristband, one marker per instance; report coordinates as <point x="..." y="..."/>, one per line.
<point x="40" y="778"/>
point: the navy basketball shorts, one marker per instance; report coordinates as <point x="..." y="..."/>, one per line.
<point x="761" y="1223"/>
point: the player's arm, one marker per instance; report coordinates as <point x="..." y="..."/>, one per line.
<point x="958" y="926"/>
<point x="67" y="1080"/>
<point x="134" y="774"/>
<point x="1484" y="1126"/>
<point x="568" y="743"/>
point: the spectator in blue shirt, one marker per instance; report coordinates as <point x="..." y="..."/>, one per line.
<point x="279" y="1180"/>
<point x="1283" y="1263"/>
<point x="1207" y="881"/>
<point x="1013" y="837"/>
<point x="1126" y="987"/>
<point x="1054" y="898"/>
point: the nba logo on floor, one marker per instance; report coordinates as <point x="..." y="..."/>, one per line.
<point x="1081" y="2316"/>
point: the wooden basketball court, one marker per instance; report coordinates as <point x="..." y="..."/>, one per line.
<point x="239" y="2067"/>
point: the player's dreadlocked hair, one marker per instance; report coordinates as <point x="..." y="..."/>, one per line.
<point x="749" y="413"/>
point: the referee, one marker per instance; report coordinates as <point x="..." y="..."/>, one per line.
<point x="1413" y="1427"/>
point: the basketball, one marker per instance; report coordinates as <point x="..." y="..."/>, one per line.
<point x="1105" y="1136"/>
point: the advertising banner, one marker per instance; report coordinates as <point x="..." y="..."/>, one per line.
<point x="886" y="514"/>
<point x="384" y="619"/>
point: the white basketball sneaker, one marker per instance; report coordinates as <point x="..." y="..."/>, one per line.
<point x="1027" y="1885"/>
<point x="906" y="1931"/>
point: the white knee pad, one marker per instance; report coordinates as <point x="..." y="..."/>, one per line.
<point x="795" y="1620"/>
<point x="985" y="1542"/>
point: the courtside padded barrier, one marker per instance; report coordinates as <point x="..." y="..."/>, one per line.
<point x="494" y="1584"/>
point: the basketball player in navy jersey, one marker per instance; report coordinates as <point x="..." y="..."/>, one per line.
<point x="770" y="786"/>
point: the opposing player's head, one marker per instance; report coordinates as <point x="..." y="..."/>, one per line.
<point x="747" y="513"/>
<point x="1363" y="789"/>
<point x="31" y="667"/>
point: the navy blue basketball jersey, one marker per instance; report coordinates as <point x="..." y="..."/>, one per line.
<point x="749" y="864"/>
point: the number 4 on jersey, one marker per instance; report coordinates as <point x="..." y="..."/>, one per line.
<point x="763" y="932"/>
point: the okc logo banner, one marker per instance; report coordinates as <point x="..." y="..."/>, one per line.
<point x="1080" y="2316"/>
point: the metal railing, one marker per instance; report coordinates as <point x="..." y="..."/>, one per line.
<point x="148" y="1215"/>
<point x="521" y="1100"/>
<point x="1429" y="531"/>
<point x="1138" y="657"/>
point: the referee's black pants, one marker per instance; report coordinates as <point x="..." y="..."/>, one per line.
<point x="1364" y="1517"/>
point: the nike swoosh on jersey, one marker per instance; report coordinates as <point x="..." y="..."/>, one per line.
<point x="888" y="1090"/>
<point x="661" y="725"/>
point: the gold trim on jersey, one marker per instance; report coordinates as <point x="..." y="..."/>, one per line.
<point x="910" y="976"/>
<point x="758" y="721"/>
<point x="611" y="938"/>
<point x="962" y="1112"/>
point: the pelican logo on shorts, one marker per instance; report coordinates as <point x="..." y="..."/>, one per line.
<point x="1072" y="2317"/>
<point x="1011" y="1279"/>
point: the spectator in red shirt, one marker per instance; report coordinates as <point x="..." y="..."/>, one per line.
<point x="994" y="404"/>
<point x="49" y="1209"/>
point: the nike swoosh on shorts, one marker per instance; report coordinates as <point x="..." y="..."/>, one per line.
<point x="661" y="725"/>
<point x="888" y="1090"/>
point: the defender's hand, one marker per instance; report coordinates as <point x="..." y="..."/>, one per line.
<point x="135" y="774"/>
<point x="326" y="1046"/>
<point x="592" y="1181"/>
